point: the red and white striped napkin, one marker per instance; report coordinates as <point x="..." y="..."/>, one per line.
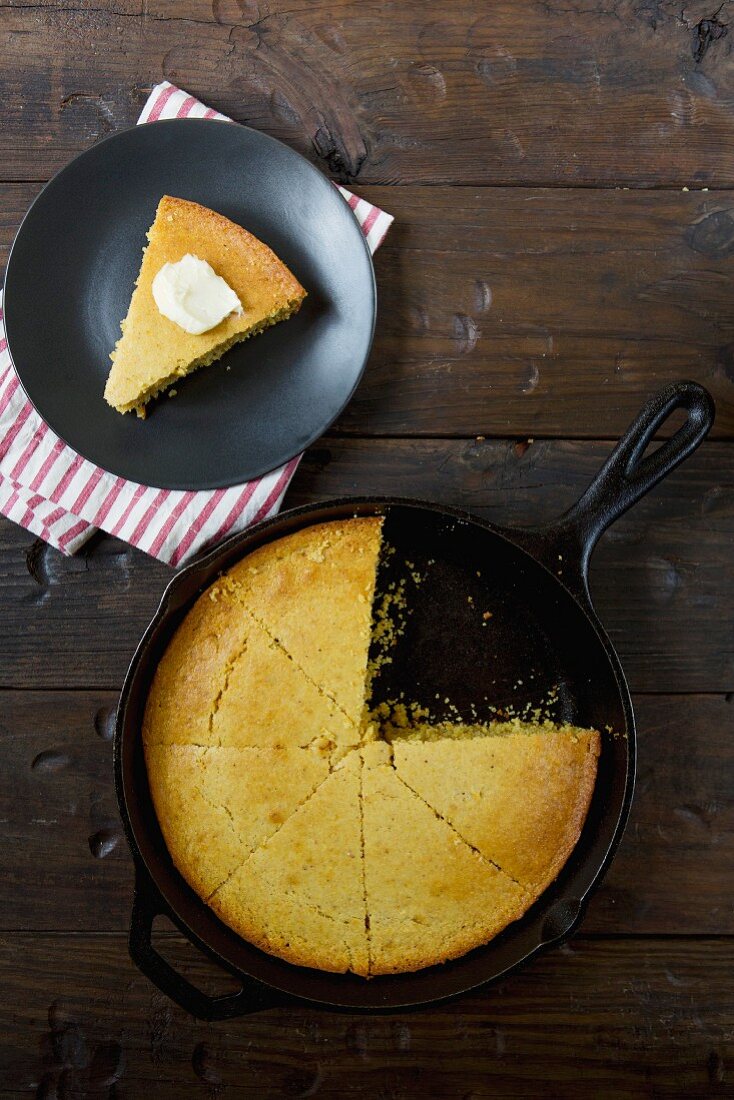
<point x="51" y="490"/>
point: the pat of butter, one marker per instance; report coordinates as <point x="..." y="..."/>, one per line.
<point x="191" y="294"/>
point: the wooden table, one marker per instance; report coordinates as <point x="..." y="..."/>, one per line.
<point x="561" y="174"/>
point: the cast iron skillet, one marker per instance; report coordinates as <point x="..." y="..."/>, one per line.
<point x="543" y="632"/>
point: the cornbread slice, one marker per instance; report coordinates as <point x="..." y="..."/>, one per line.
<point x="430" y="897"/>
<point x="215" y="806"/>
<point x="313" y="591"/>
<point x="301" y="896"/>
<point x="224" y="680"/>
<point x="153" y="352"/>
<point x="267" y="700"/>
<point x="520" y="798"/>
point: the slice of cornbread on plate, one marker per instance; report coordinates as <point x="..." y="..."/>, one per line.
<point x="301" y="895"/>
<point x="313" y="592"/>
<point x="224" y="680"/>
<point x="153" y="351"/>
<point x="215" y="806"/>
<point x="518" y="794"/>
<point x="430" y="897"/>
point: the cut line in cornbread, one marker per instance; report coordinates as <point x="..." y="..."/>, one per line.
<point x="301" y="896"/>
<point x="313" y="591"/>
<point x="430" y="897"/>
<point x="224" y="681"/>
<point x="519" y="798"/>
<point x="217" y="805"/>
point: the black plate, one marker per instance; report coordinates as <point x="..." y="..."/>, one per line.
<point x="71" y="272"/>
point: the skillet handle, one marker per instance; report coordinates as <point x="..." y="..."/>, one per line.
<point x="147" y="905"/>
<point x="625" y="477"/>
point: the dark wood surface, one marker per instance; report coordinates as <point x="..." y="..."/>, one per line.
<point x="575" y="1024"/>
<point x="562" y="176"/>
<point x="535" y="312"/>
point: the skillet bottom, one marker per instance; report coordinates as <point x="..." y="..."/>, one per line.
<point x="531" y="654"/>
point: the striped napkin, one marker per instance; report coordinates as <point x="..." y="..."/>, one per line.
<point x="51" y="490"/>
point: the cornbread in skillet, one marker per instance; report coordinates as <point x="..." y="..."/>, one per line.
<point x="224" y="680"/>
<point x="153" y="352"/>
<point x="325" y="838"/>
<point x="314" y="592"/>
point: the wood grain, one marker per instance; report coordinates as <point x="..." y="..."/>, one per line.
<point x="66" y="865"/>
<point x="65" y="861"/>
<point x="526" y="296"/>
<point x="625" y="1020"/>
<point x="72" y="621"/>
<point x="510" y="311"/>
<point x="516" y="311"/>
<point x="613" y="93"/>
<point x="658" y="577"/>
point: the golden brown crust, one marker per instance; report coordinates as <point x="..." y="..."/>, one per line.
<point x="188" y="677"/>
<point x="223" y="680"/>
<point x="152" y="350"/>
<point x="313" y="591"/>
<point x="217" y="805"/>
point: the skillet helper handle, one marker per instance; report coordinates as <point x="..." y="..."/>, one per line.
<point x="147" y="905"/>
<point x="628" y="473"/>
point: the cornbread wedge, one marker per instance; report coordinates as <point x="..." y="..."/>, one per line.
<point x="153" y="352"/>
<point x="313" y="591"/>
<point x="430" y="897"/>
<point x="519" y="798"/>
<point x="224" y="681"/>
